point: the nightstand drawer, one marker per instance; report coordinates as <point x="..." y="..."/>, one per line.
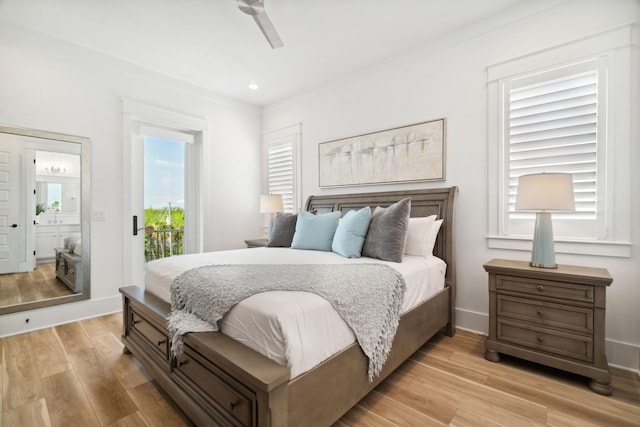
<point x="567" y="317"/>
<point x="545" y="289"/>
<point x="548" y="340"/>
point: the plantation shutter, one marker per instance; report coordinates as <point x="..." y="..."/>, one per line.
<point x="552" y="127"/>
<point x="280" y="158"/>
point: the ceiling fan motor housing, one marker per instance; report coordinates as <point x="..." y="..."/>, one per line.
<point x="251" y="7"/>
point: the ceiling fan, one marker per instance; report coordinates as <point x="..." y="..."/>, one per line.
<point x="255" y="8"/>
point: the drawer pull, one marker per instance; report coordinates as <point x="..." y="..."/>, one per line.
<point x="540" y="313"/>
<point x="233" y="405"/>
<point x="162" y="341"/>
<point x="540" y="288"/>
<point x="135" y="322"/>
<point x="181" y="363"/>
<point x="540" y="340"/>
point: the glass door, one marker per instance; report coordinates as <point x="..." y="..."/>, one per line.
<point x="164" y="197"/>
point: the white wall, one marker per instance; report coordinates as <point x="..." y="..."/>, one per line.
<point x="447" y="78"/>
<point x="48" y="85"/>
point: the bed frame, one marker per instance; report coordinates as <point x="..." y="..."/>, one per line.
<point x="218" y="381"/>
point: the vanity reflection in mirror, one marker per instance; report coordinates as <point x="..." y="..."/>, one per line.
<point x="44" y="219"/>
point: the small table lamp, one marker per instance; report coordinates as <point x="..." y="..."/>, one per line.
<point x="544" y="193"/>
<point x="270" y="204"/>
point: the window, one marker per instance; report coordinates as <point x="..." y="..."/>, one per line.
<point x="552" y="124"/>
<point x="565" y="109"/>
<point x="282" y="166"/>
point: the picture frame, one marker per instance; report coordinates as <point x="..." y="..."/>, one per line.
<point x="411" y="153"/>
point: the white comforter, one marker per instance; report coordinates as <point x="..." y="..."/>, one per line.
<point x="296" y="329"/>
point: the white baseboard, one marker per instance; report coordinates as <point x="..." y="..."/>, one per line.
<point x="32" y="320"/>
<point x="619" y="354"/>
<point x="623" y="355"/>
<point x="472" y="321"/>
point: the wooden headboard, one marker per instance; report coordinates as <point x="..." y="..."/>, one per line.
<point x="438" y="201"/>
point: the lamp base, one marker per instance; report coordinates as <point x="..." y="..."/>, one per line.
<point x="543" y="253"/>
<point x="271" y="221"/>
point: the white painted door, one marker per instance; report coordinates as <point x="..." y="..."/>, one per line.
<point x="13" y="230"/>
<point x="140" y="121"/>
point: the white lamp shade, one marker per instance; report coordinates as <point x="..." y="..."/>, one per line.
<point x="271" y="203"/>
<point x="545" y="192"/>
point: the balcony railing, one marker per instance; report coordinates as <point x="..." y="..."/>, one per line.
<point x="164" y="243"/>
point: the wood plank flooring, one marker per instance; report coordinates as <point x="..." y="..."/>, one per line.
<point x="36" y="285"/>
<point x="77" y="375"/>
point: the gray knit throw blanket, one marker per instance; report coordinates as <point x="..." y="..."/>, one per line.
<point x="367" y="296"/>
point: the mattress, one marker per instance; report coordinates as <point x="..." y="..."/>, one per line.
<point x="296" y="329"/>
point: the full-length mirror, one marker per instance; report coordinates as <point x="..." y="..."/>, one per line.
<point x="44" y="219"/>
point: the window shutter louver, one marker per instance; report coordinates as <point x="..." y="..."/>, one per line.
<point x="552" y="127"/>
<point x="281" y="173"/>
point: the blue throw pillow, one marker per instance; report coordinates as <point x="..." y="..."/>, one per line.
<point x="315" y="232"/>
<point x="350" y="234"/>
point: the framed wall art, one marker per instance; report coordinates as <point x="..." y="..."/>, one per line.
<point x="404" y="154"/>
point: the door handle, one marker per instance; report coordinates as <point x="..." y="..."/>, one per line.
<point x="147" y="230"/>
<point x="11" y="226"/>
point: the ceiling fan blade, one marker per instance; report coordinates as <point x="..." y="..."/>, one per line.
<point x="268" y="30"/>
<point x="255" y="8"/>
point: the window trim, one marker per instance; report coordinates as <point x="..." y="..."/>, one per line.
<point x="615" y="47"/>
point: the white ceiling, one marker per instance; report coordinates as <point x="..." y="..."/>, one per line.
<point x="213" y="45"/>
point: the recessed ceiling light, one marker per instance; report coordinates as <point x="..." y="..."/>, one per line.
<point x="254" y="86"/>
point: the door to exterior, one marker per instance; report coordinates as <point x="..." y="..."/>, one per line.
<point x="162" y="187"/>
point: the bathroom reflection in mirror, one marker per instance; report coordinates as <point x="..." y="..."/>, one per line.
<point x="44" y="219"/>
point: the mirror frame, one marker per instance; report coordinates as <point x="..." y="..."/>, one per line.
<point x="85" y="216"/>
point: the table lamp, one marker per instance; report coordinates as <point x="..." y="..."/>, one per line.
<point x="270" y="204"/>
<point x="544" y="193"/>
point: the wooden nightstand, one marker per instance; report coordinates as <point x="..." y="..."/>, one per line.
<point x="69" y="269"/>
<point x="555" y="317"/>
<point x="256" y="243"/>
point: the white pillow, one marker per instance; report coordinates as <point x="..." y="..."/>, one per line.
<point x="431" y="238"/>
<point x="418" y="234"/>
<point x="77" y="249"/>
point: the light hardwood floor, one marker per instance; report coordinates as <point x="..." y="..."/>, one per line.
<point x="36" y="285"/>
<point x="76" y="375"/>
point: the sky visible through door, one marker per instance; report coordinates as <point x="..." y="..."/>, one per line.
<point x="163" y="172"/>
<point x="164" y="194"/>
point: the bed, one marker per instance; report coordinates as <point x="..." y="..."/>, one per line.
<point x="217" y="380"/>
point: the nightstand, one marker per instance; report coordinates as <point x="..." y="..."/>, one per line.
<point x="256" y="243"/>
<point x="555" y="317"/>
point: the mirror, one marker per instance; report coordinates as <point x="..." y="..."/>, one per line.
<point x="45" y="256"/>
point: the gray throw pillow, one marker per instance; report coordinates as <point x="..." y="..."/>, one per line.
<point x="388" y="232"/>
<point x="284" y="227"/>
